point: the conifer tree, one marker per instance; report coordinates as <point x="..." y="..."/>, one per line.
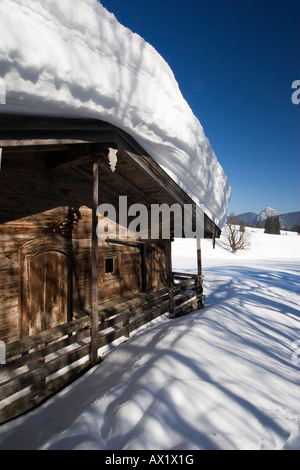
<point x="242" y="226"/>
<point x="269" y="227"/>
<point x="277" y="226"/>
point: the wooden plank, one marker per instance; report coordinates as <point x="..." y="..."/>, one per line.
<point x="16" y="367"/>
<point x="43" y="337"/>
<point x="199" y="260"/>
<point x="8" y="143"/>
<point x="159" y="178"/>
<point x="184" y="282"/>
<point x="69" y="161"/>
<point x="144" y="268"/>
<point x="171" y="302"/>
<point x="38" y="393"/>
<point x="184" y="275"/>
<point x="105" y="167"/>
<point x="89" y="176"/>
<point x="150" y="315"/>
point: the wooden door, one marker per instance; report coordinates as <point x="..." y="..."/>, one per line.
<point x="45" y="286"/>
<point x="48" y="291"/>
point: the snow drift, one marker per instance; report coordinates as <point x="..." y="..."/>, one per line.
<point x="73" y="58"/>
<point x="225" y="377"/>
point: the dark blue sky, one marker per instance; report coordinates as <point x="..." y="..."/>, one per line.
<point x="235" y="62"/>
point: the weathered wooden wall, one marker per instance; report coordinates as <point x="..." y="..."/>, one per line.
<point x="38" y="205"/>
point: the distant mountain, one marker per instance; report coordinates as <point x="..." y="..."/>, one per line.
<point x="287" y="221"/>
<point x="267" y="212"/>
<point x="248" y="217"/>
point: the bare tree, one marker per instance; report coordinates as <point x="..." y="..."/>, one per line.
<point x="233" y="237"/>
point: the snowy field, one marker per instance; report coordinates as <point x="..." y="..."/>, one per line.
<point x="225" y="377"/>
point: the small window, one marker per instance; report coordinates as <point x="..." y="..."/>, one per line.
<point x="109" y="266"/>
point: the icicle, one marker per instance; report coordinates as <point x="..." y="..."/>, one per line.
<point x="112" y="157"/>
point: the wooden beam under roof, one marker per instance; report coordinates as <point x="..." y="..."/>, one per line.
<point x="105" y="167"/>
<point x="41" y="134"/>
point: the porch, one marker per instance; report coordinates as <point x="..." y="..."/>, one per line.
<point x="40" y="365"/>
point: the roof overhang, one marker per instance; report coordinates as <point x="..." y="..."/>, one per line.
<point x="75" y="143"/>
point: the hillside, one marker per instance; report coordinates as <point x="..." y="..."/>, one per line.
<point x="225" y="377"/>
<point x="287" y="221"/>
<point x="248" y="217"/>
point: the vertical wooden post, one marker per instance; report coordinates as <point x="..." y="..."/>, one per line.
<point x="199" y="260"/>
<point x="199" y="288"/>
<point x="143" y="251"/>
<point x="94" y="324"/>
<point x="171" y="301"/>
<point x="171" y="279"/>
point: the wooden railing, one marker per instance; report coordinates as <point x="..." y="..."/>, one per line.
<point x="40" y="365"/>
<point x="187" y="292"/>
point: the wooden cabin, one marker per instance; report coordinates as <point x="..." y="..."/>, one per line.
<point x="61" y="285"/>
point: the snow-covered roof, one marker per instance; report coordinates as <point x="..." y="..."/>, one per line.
<point x="74" y="58"/>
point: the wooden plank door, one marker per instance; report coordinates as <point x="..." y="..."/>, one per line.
<point x="48" y="293"/>
<point x="45" y="285"/>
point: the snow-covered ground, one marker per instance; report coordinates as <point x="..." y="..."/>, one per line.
<point x="225" y="377"/>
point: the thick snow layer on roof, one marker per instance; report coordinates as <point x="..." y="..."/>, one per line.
<point x="73" y="58"/>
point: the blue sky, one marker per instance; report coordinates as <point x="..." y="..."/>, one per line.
<point x="235" y="62"/>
